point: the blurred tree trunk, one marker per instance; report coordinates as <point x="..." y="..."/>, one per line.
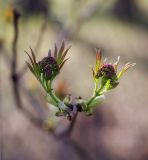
<point x="125" y="9"/>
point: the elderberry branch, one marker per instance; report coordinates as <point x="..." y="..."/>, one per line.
<point x="105" y="78"/>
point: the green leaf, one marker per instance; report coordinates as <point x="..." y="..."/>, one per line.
<point x="30" y="67"/>
<point x="62" y="48"/>
<point x="98" y="59"/>
<point x="67" y="99"/>
<point x="49" y="53"/>
<point x="65" y="52"/>
<point x="60" y="113"/>
<point x="83" y="103"/>
<point x="55" y="51"/>
<point x="111" y="84"/>
<point x="63" y="63"/>
<point x="60" y="52"/>
<point x="29" y="58"/>
<point x="33" y="56"/>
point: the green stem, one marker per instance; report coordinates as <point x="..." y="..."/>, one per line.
<point x="48" y="88"/>
<point x="51" y="93"/>
<point x="54" y="97"/>
<point x="91" y="100"/>
<point x="94" y="94"/>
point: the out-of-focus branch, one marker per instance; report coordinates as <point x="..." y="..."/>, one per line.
<point x="79" y="150"/>
<point x="85" y="14"/>
<point x="33" y="101"/>
<point x="67" y="133"/>
<point x="69" y="130"/>
<point x="38" y="44"/>
<point x="14" y="75"/>
<point x="6" y="56"/>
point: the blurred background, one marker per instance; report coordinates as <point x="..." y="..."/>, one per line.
<point x="118" y="129"/>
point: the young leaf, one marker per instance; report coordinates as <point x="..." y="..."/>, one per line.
<point x="63" y="63"/>
<point x="55" y="51"/>
<point x="29" y="58"/>
<point x="65" y="52"/>
<point x="30" y="67"/>
<point x="33" y="56"/>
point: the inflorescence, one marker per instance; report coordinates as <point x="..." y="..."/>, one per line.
<point x="105" y="78"/>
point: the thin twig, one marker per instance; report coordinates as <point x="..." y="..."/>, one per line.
<point x="67" y="133"/>
<point x="14" y="76"/>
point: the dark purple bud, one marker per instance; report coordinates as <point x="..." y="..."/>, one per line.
<point x="107" y="70"/>
<point x="49" y="66"/>
<point x="48" y="71"/>
<point x="48" y="60"/>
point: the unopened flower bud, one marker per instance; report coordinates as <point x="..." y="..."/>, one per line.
<point x="107" y="70"/>
<point x="49" y="67"/>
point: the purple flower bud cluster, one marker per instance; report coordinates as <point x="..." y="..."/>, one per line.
<point x="107" y="70"/>
<point x="49" y="67"/>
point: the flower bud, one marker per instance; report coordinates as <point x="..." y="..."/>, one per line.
<point x="49" y="67"/>
<point x="107" y="70"/>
